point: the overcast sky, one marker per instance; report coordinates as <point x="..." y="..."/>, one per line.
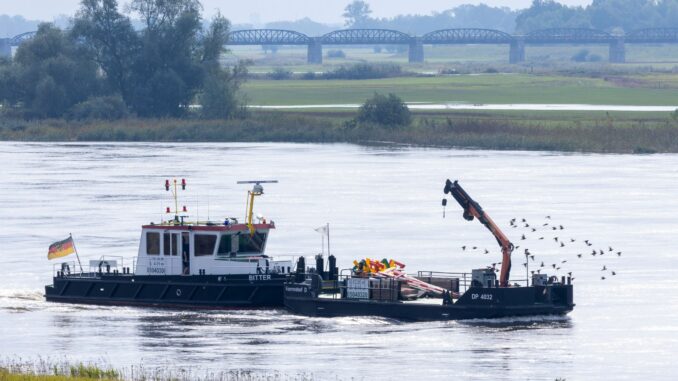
<point x="239" y="11"/>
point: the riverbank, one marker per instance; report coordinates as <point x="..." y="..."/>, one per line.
<point x="595" y="132"/>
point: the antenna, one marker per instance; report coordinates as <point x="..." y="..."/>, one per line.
<point x="257" y="190"/>
<point x="175" y="194"/>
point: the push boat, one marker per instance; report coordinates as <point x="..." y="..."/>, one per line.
<point x="184" y="264"/>
<point x="384" y="289"/>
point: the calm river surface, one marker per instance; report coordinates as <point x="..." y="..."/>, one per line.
<point x="380" y="202"/>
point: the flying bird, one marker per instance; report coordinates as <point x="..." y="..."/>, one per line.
<point x="602" y="278"/>
<point x="610" y="249"/>
<point x="565" y="261"/>
<point x="555" y="239"/>
<point x="614" y="273"/>
<point x="487" y="251"/>
<point x="562" y="244"/>
<point x="619" y="253"/>
<point x="541" y="237"/>
<point x="463" y="247"/>
<point x="542" y="264"/>
<point x="572" y="239"/>
<point x="549" y="217"/>
<point x="534" y="230"/>
<point x="561" y="227"/>
<point x="604" y="268"/>
<point x="578" y="255"/>
<point x="523" y="237"/>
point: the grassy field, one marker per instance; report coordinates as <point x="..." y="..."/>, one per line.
<point x="655" y="89"/>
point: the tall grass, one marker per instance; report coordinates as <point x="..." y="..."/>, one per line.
<point x="45" y="369"/>
<point x="522" y="131"/>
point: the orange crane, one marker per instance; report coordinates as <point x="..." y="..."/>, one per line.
<point x="472" y="209"/>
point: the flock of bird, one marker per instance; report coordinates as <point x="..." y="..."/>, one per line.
<point x="540" y="232"/>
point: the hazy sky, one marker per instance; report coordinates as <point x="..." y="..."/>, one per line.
<point x="241" y="11"/>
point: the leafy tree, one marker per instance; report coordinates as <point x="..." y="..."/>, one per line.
<point x="112" y="40"/>
<point x="52" y="73"/>
<point x="219" y="95"/>
<point x="387" y="110"/>
<point x="357" y="14"/>
<point x="545" y="14"/>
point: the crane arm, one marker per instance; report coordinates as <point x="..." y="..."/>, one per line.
<point x="472" y="209"/>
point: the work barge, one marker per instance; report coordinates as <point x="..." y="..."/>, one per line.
<point x="218" y="265"/>
<point x="384" y="289"/>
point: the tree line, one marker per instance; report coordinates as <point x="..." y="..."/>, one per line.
<point x="102" y="67"/>
<point x="608" y="15"/>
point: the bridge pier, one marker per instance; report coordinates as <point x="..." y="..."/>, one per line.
<point x="416" y="50"/>
<point x="617" y="51"/>
<point x="517" y="50"/>
<point x="5" y="48"/>
<point x="315" y="51"/>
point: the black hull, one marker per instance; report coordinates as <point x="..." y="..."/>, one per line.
<point x="194" y="292"/>
<point x="504" y="302"/>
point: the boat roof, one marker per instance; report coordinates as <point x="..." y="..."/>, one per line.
<point x="209" y="227"/>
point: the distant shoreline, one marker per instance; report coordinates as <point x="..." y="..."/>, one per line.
<point x="586" y="132"/>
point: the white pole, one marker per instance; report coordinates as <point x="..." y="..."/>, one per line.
<point x="328" y="238"/>
<point x="76" y="252"/>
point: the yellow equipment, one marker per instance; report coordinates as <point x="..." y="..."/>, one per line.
<point x="257" y="190"/>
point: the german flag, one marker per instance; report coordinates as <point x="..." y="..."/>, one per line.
<point x="61" y="248"/>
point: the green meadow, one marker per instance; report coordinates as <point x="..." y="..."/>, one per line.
<point x="658" y="89"/>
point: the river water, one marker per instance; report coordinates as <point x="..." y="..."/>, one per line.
<point x="495" y="107"/>
<point x="380" y="202"/>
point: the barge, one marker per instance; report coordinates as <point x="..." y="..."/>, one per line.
<point x="183" y="264"/>
<point x="384" y="289"/>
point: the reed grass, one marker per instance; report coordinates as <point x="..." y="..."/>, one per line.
<point x="47" y="369"/>
<point x="580" y="132"/>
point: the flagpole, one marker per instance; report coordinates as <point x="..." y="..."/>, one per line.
<point x="76" y="252"/>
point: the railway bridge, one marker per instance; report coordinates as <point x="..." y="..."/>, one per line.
<point x="455" y="36"/>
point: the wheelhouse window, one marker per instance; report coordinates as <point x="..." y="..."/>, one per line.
<point x="252" y="243"/>
<point x="169" y="243"/>
<point x="153" y="243"/>
<point x="204" y="244"/>
<point x="225" y="245"/>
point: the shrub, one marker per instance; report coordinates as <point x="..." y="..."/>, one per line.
<point x="580" y="56"/>
<point x="308" y="75"/>
<point x="336" y="54"/>
<point x="280" y="73"/>
<point x="595" y="58"/>
<point x="106" y="108"/>
<point x="364" y="71"/>
<point x="386" y="110"/>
